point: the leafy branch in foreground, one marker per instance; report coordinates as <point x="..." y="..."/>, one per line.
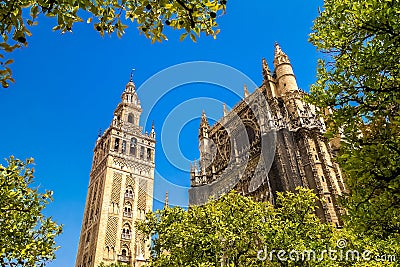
<point x="107" y="16"/>
<point x="27" y="236"/>
<point x="359" y="82"/>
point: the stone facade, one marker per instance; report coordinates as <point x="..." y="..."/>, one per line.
<point x="120" y="189"/>
<point x="284" y="146"/>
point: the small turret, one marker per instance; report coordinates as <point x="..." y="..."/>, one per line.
<point x="204" y="142"/>
<point x="286" y="81"/>
<point x="269" y="83"/>
<point x="265" y="70"/>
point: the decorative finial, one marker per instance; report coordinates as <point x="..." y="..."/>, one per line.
<point x="246" y="91"/>
<point x="265" y="66"/>
<point x="225" y="110"/>
<point x="204" y="120"/>
<point x="152" y="125"/>
<point x="131" y="79"/>
<point x="166" y="202"/>
<point x="278" y="49"/>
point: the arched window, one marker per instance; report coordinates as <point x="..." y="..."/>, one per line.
<point x="123" y="150"/>
<point x="116" y="144"/>
<point x="112" y="253"/>
<point x="128" y="210"/>
<point x="107" y="252"/>
<point x="149" y="155"/>
<point x="133" y="147"/>
<point x="129" y="192"/>
<point x="124" y="257"/>
<point x="142" y="214"/>
<point x="244" y="139"/>
<point x="114" y="208"/>
<point x="141" y="152"/>
<point x="126" y="232"/>
<point x="130" y="118"/>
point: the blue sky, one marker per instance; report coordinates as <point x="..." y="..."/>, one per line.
<point x="67" y="87"/>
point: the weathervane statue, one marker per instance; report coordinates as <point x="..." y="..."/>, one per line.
<point x="132" y="74"/>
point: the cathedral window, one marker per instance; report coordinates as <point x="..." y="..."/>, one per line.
<point x="250" y="134"/>
<point x="329" y="200"/>
<point x="133" y="147"/>
<point x="116" y="144"/>
<point x="323" y="178"/>
<point x="130" y="118"/>
<point x="141" y="152"/>
<point x="123" y="149"/>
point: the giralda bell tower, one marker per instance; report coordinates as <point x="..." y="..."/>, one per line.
<point x="120" y="189"/>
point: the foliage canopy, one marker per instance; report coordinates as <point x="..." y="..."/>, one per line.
<point x="107" y="16"/>
<point x="27" y="236"/>
<point x="359" y="82"/>
<point x="234" y="229"/>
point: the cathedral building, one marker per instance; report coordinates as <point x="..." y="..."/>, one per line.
<point x="284" y="146"/>
<point x="120" y="189"/>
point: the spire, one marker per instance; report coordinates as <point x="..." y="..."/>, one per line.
<point x="130" y="86"/>
<point x="204" y="126"/>
<point x="246" y="91"/>
<point x="225" y="110"/>
<point x="204" y="121"/>
<point x="280" y="56"/>
<point x="166" y="203"/>
<point x="278" y="49"/>
<point x="265" y="69"/>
